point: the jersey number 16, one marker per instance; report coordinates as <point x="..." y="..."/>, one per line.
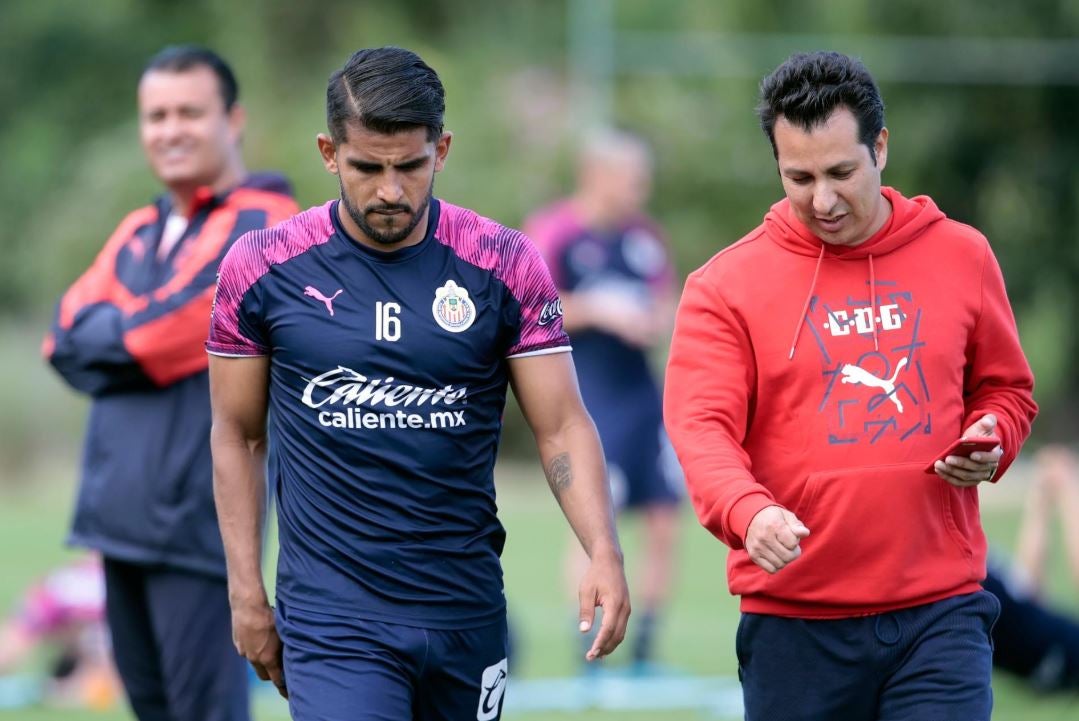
<point x="387" y="324"/>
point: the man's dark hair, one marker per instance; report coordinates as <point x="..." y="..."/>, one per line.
<point x="386" y="90"/>
<point x="181" y="58"/>
<point x="808" y="87"/>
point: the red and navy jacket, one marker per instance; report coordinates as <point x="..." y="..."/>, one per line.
<point x="130" y="333"/>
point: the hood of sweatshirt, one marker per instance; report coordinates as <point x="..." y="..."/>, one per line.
<point x="910" y="217"/>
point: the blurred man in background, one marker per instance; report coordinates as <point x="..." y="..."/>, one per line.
<point x="129" y="333"/>
<point x="616" y="282"/>
<point x="381" y="330"/>
<point x="819" y="366"/>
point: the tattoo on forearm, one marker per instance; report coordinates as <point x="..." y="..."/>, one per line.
<point x="559" y="475"/>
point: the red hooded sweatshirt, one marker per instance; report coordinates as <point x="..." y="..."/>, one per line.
<point x="899" y="344"/>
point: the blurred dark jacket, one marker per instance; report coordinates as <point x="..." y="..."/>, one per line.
<point x="130" y="332"/>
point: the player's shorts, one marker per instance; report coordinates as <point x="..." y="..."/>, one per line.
<point x="641" y="464"/>
<point x="349" y="669"/>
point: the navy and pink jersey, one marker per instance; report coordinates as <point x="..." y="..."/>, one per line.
<point x="388" y="375"/>
<point x="68" y="597"/>
<point x="629" y="264"/>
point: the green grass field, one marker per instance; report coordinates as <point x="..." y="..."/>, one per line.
<point x="698" y="631"/>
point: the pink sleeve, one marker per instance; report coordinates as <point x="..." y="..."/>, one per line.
<point x="551" y="230"/>
<point x="663" y="282"/>
<point x="231" y="331"/>
<point x="531" y="285"/>
<point x="235" y="328"/>
<point x="514" y="260"/>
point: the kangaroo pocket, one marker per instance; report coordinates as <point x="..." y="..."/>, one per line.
<point x="879" y="534"/>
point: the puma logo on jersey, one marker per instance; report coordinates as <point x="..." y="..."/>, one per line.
<point x="860" y="376"/>
<point x="317" y="295"/>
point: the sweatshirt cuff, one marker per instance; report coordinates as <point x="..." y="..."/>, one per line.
<point x="742" y="512"/>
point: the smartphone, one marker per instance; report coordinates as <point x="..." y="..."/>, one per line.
<point x="964" y="447"/>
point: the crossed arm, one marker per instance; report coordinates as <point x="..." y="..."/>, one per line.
<point x="107" y="339"/>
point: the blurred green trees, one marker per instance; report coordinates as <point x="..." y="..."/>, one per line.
<point x="1003" y="156"/>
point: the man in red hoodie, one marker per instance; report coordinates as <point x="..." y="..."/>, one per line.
<point x="806" y="409"/>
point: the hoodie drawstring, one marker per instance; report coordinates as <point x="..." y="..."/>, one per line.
<point x="873" y="302"/>
<point x="809" y="297"/>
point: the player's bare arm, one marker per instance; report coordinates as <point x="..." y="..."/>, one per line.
<point x="569" y="447"/>
<point x="239" y="396"/>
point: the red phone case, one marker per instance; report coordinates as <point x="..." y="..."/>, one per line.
<point x="964" y="447"/>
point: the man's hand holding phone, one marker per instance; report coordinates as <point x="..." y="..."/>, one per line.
<point x="972" y="459"/>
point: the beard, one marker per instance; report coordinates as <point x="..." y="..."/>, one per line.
<point x="391" y="236"/>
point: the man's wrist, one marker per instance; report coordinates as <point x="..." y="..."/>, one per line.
<point x="606" y="551"/>
<point x="248" y="596"/>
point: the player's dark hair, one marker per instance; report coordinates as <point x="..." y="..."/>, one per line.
<point x="181" y="58"/>
<point x="808" y="87"/>
<point x="386" y="90"/>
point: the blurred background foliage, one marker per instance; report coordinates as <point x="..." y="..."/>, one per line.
<point x="982" y="103"/>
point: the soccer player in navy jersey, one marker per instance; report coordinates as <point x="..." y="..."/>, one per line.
<point x="379" y="332"/>
<point x="614" y="275"/>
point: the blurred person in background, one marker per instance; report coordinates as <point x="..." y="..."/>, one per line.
<point x="819" y="365"/>
<point x="63" y="616"/>
<point x="615" y="278"/>
<point x="381" y="330"/>
<point x="129" y="333"/>
<point x="1033" y="639"/>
